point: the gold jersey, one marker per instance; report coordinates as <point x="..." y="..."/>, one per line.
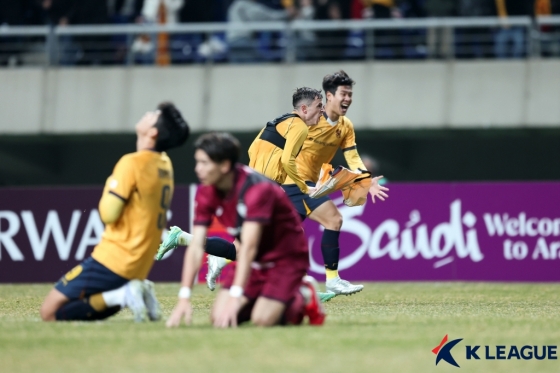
<point x="144" y="180"/>
<point x="320" y="146"/>
<point x="276" y="163"/>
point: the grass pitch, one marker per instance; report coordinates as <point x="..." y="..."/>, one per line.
<point x="389" y="327"/>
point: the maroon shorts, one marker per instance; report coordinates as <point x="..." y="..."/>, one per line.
<point x="276" y="280"/>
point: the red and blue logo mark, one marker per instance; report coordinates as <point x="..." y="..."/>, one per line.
<point x="443" y="351"/>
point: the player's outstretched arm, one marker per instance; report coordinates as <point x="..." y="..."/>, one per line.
<point x="191" y="265"/>
<point x="377" y="190"/>
<point x="250" y="237"/>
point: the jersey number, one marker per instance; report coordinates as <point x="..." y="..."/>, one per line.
<point x="164" y="204"/>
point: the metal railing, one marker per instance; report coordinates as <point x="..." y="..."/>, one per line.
<point x="441" y="38"/>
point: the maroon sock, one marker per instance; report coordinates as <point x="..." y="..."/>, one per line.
<point x="295" y="310"/>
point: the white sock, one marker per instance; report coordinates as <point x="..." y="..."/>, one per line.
<point x="333" y="279"/>
<point x="185" y="239"/>
<point x="115" y="297"/>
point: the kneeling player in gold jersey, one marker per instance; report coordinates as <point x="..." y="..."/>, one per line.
<point x="133" y="207"/>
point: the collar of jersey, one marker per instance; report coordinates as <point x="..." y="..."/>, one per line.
<point x="329" y="121"/>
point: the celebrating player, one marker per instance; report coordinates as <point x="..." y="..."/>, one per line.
<point x="133" y="206"/>
<point x="267" y="286"/>
<point x="273" y="152"/>
<point x="334" y="131"/>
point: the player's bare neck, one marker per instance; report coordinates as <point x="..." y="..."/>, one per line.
<point x="145" y="144"/>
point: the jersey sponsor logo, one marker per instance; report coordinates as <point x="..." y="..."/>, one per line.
<point x="322" y="142"/>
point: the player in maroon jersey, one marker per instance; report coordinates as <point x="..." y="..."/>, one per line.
<point x="268" y="286"/>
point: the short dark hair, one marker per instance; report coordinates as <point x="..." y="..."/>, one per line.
<point x="173" y="130"/>
<point x="331" y="82"/>
<point x="305" y="94"/>
<point x="220" y="146"/>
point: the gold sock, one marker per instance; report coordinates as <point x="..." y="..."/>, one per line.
<point x="228" y="261"/>
<point x="331" y="273"/>
<point x="97" y="302"/>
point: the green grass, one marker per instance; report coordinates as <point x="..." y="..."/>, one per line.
<point x="389" y="327"/>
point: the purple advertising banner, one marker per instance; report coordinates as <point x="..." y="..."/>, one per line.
<point x="44" y="232"/>
<point x="443" y="231"/>
<point x="450" y="231"/>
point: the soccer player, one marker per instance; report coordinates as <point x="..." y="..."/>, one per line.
<point x="267" y="286"/>
<point x="133" y="207"/>
<point x="273" y="152"/>
<point x="334" y="131"/>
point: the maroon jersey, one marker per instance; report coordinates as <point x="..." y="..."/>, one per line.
<point x="254" y="198"/>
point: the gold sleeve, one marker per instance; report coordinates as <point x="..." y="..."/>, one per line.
<point x="295" y="136"/>
<point x="110" y="207"/>
<point x="353" y="158"/>
<point x="252" y="149"/>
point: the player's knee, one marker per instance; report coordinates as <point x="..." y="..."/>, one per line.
<point x="263" y="320"/>
<point x="335" y="222"/>
<point x="47" y="313"/>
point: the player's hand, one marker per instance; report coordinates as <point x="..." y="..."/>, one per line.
<point x="377" y="190"/>
<point x="183" y="310"/>
<point x="311" y="189"/>
<point x="228" y="316"/>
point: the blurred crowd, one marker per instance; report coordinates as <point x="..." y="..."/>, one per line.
<point x="241" y="46"/>
<point x="89" y="12"/>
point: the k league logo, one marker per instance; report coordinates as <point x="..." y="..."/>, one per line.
<point x="443" y="351"/>
<point x="499" y="352"/>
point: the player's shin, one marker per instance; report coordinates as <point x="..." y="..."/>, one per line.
<point x="295" y="310"/>
<point x="85" y="309"/>
<point x="331" y="252"/>
<point x="221" y="248"/>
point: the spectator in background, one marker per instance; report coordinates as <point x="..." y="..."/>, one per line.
<point x="191" y="47"/>
<point x="388" y="43"/>
<point x="242" y="46"/>
<point x="150" y="48"/>
<point x="306" y="40"/>
<point x="92" y="49"/>
<point x="413" y="8"/>
<point x="124" y="11"/>
<point x="440" y="39"/>
<point x="12" y="13"/>
<point x="513" y="34"/>
<point x="475" y="42"/>
<point x="549" y="34"/>
<point x="330" y="44"/>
